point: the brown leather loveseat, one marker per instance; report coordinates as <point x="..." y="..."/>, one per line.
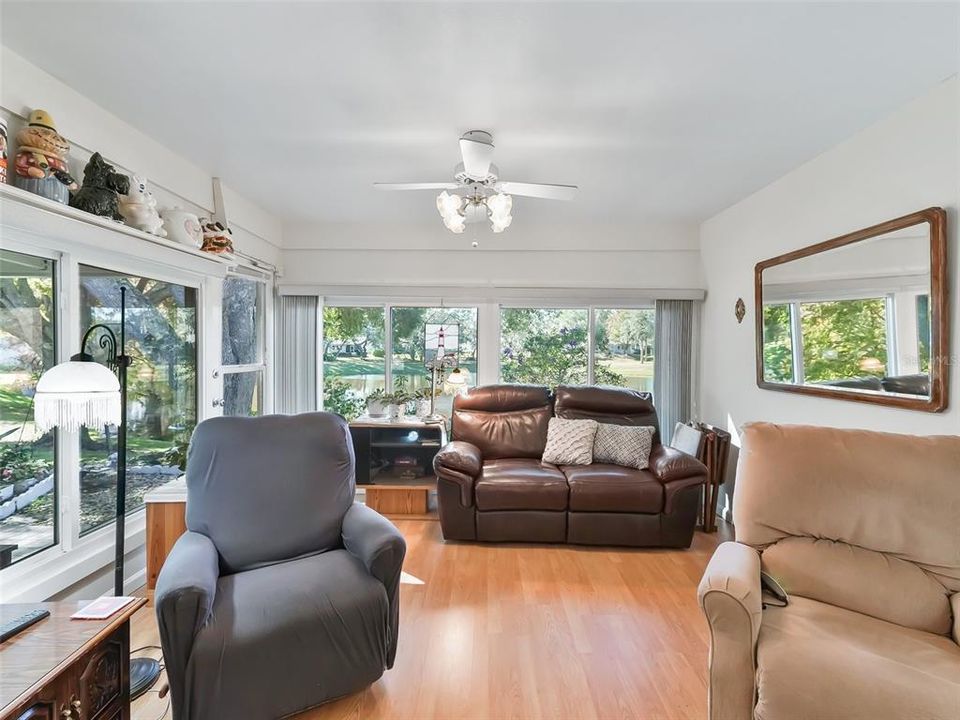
<point x="492" y="485"/>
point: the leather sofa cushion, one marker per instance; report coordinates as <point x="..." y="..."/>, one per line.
<point x="504" y="421"/>
<point x="520" y="484"/>
<point x="617" y="406"/>
<point x="819" y="661"/>
<point x="612" y="488"/>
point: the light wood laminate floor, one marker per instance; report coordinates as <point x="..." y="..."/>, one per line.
<point x="522" y="632"/>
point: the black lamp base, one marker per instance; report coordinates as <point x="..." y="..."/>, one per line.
<point x="143" y="674"/>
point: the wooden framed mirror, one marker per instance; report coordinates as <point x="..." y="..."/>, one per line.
<point x="861" y="317"/>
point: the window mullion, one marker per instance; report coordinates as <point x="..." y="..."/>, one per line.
<point x="591" y="352"/>
<point x="68" y="443"/>
<point x="388" y="347"/>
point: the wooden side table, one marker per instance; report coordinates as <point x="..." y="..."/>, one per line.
<point x="66" y="668"/>
<point x="395" y="462"/>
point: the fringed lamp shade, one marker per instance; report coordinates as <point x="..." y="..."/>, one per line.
<point x="77" y="393"/>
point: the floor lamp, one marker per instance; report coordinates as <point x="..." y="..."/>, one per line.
<point x="85" y="392"/>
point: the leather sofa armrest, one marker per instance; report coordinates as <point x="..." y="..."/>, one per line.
<point x="730" y="597"/>
<point x="955" y="604"/>
<point x="461" y="463"/>
<point x="668" y="464"/>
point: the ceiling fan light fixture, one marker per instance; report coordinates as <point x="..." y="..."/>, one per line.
<point x="500" y="205"/>
<point x="455" y="222"/>
<point x="499" y="224"/>
<point x="448" y="204"/>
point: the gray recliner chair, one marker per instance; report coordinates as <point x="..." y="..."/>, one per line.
<point x="283" y="593"/>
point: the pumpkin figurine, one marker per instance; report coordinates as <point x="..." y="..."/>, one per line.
<point x="139" y="208"/>
<point x="40" y="165"/>
<point x="101" y="190"/>
<point x="216" y="237"/>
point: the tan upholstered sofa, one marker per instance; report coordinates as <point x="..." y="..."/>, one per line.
<point x="862" y="530"/>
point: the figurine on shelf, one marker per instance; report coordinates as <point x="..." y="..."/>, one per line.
<point x="139" y="208"/>
<point x="101" y="190"/>
<point x="41" y="161"/>
<point x="216" y="237"/>
<point x="182" y="226"/>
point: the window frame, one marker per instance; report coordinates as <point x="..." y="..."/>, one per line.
<point x="591" y="309"/>
<point x="75" y="557"/>
<point x="796" y="330"/>
<point x="387" y="307"/>
<point x="59" y="332"/>
<point x="261" y="367"/>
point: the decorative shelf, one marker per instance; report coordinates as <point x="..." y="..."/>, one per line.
<point x="22" y="197"/>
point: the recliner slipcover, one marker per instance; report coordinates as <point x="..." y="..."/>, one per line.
<point x="283" y="593"/>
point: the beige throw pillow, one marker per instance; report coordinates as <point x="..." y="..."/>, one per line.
<point x="570" y="442"/>
<point x="627" y="445"/>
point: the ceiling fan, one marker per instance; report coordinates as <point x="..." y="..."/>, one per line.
<point x="480" y="186"/>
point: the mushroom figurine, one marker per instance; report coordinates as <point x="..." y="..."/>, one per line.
<point x="40" y="165"/>
<point x="216" y="237"/>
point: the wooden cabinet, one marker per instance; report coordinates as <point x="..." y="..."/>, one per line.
<point x="395" y="463"/>
<point x="90" y="683"/>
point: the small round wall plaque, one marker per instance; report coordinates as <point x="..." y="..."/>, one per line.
<point x="740" y="310"/>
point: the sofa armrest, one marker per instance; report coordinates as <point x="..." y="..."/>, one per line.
<point x="668" y="464"/>
<point x="377" y="543"/>
<point x="955" y="605"/>
<point x="461" y="463"/>
<point x="186" y="589"/>
<point x="730" y="597"/>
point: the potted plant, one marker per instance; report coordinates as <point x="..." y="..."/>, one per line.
<point x="422" y="397"/>
<point x="377" y="403"/>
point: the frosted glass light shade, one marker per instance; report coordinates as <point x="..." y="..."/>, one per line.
<point x="458" y="377"/>
<point x="76" y="393"/>
<point x="500" y="204"/>
<point x="448" y="204"/>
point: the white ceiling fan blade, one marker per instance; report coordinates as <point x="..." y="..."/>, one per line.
<point x="538" y="190"/>
<point x="476" y="147"/>
<point x="417" y="186"/>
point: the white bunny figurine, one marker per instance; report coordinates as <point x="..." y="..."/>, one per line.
<point x="139" y="208"/>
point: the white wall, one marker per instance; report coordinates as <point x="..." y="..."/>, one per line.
<point x="906" y="162"/>
<point x="90" y="128"/>
<point x="641" y="256"/>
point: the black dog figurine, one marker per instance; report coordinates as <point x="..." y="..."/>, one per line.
<point x="102" y="186"/>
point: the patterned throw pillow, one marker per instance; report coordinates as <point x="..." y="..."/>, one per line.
<point x="570" y="442"/>
<point x="627" y="445"/>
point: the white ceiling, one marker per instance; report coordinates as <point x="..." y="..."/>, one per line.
<point x="660" y="112"/>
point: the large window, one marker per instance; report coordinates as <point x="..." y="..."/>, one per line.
<point x="545" y="346"/>
<point x="778" y="359"/>
<point x="623" y="347"/>
<point x="557" y="346"/>
<point x="354" y="365"/>
<point x="243" y="358"/>
<point x="355" y="361"/>
<point x="408" y="361"/>
<point x="830" y="341"/>
<point x="161" y="328"/>
<point x="28" y="497"/>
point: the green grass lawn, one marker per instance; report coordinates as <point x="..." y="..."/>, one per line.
<point x="356" y="367"/>
<point x="15" y="406"/>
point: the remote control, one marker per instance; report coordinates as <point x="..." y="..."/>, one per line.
<point x="9" y="629"/>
